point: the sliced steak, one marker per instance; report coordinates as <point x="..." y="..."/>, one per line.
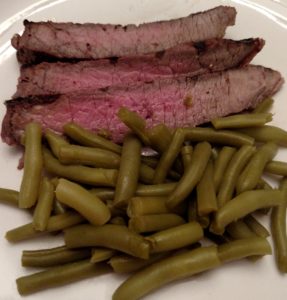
<point x="176" y="102"/>
<point x="187" y="59"/>
<point x="91" y="41"/>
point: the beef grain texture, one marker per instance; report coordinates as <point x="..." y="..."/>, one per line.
<point x="177" y="102"/>
<point x="189" y="59"/>
<point x="92" y="41"/>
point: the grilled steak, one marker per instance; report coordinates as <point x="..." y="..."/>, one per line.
<point x="186" y="59"/>
<point x="177" y="102"/>
<point x="91" y="41"/>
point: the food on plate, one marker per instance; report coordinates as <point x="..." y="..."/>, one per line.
<point x="190" y="59"/>
<point x="177" y="102"/>
<point x="65" y="40"/>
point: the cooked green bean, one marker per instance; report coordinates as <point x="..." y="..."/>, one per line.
<point x="80" y="199"/>
<point x="111" y="236"/>
<point x="192" y="175"/>
<point x="278" y="228"/>
<point x="135" y="122"/>
<point x="234" y="168"/>
<point x="186" y="155"/>
<point x="115" y="211"/>
<point x="118" y="221"/>
<point x="263" y="185"/>
<point x="242" y="121"/>
<point x="167" y="270"/>
<point x="193" y="215"/>
<point x="176" y="237"/>
<point x="277" y="168"/>
<point x="239" y="230"/>
<point x="225" y="137"/>
<point x="59" y="275"/>
<point x="146" y="174"/>
<point x="221" y="163"/>
<point x="101" y="254"/>
<point x="88" y="138"/>
<point x="52" y="257"/>
<point x="266" y="134"/>
<point x="150" y="161"/>
<point x="244" y="204"/>
<point x="103" y="193"/>
<point x="243" y="248"/>
<point x="56" y="223"/>
<point x="129" y="171"/>
<point x="160" y="137"/>
<point x="9" y="196"/>
<point x="157" y="222"/>
<point x="264" y="106"/>
<point x="251" y="174"/>
<point x="162" y="189"/>
<point x="33" y="163"/>
<point x="168" y="157"/>
<point x="82" y="174"/>
<point x="59" y="208"/>
<point x="256" y="227"/>
<point x="44" y="205"/>
<point x="206" y="196"/>
<point x="100" y="158"/>
<point x="126" y="264"/>
<point x="55" y="141"/>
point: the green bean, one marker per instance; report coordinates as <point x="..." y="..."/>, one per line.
<point x="239" y="230"/>
<point x="167" y="270"/>
<point x="150" y="161"/>
<point x="126" y="264"/>
<point x="263" y="185"/>
<point x="82" y="174"/>
<point x="234" y="168"/>
<point x="55" y="141"/>
<point x="44" y="205"/>
<point x="221" y="163"/>
<point x="225" y="137"/>
<point x="118" y="221"/>
<point x="243" y="248"/>
<point x="135" y="122"/>
<point x="186" y="154"/>
<point x="56" y="223"/>
<point x="146" y="174"/>
<point x="100" y="158"/>
<point x="80" y="199"/>
<point x="103" y="193"/>
<point x="111" y="236"/>
<point x="206" y="196"/>
<point x="157" y="222"/>
<point x="60" y="275"/>
<point x="242" y="121"/>
<point x="251" y="174"/>
<point x="264" y="106"/>
<point x="278" y="228"/>
<point x="192" y="175"/>
<point x="168" y="157"/>
<point x="33" y="163"/>
<point x="256" y="227"/>
<point x="9" y="196"/>
<point x="52" y="257"/>
<point x="115" y="211"/>
<point x="87" y="138"/>
<point x="175" y="237"/>
<point x="59" y="208"/>
<point x="160" y="137"/>
<point x="276" y="167"/>
<point x="163" y="189"/>
<point x="129" y="171"/>
<point x="101" y="254"/>
<point x="193" y="215"/>
<point x="244" y="204"/>
<point x="266" y="134"/>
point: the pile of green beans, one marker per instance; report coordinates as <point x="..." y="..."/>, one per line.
<point x="147" y="216"/>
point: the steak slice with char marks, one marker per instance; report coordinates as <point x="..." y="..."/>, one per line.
<point x="92" y="41"/>
<point x="189" y="59"/>
<point x="177" y="102"/>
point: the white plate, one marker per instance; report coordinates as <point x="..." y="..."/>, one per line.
<point x="239" y="280"/>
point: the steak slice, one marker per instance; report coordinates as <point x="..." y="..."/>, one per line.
<point x="177" y="102"/>
<point x="186" y="59"/>
<point x="92" y="41"/>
